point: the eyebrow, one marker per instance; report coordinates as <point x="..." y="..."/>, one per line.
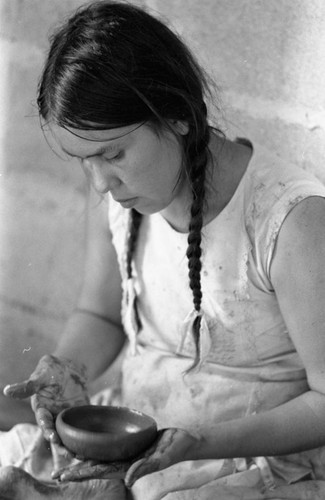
<point x="100" y="151"/>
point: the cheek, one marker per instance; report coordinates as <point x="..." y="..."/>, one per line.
<point x="154" y="167"/>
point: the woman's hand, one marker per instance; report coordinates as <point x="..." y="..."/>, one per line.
<point x="91" y="469"/>
<point x="171" y="446"/>
<point x="55" y="384"/>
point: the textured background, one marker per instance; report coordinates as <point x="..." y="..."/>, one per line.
<point x="267" y="58"/>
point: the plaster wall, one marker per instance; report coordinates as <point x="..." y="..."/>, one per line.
<point x="266" y="57"/>
<point x="267" y="60"/>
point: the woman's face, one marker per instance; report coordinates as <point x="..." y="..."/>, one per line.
<point x="141" y="168"/>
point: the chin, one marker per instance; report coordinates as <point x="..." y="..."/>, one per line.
<point x="149" y="209"/>
<point x="146" y="211"/>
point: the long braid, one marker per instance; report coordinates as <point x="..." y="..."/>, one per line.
<point x="197" y="175"/>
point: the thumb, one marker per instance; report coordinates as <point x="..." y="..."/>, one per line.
<point x="141" y="468"/>
<point x="21" y="390"/>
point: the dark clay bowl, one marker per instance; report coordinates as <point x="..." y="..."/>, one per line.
<point x="105" y="433"/>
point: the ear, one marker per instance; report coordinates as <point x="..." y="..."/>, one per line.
<point x="180" y="127"/>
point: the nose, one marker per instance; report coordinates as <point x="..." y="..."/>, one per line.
<point x="100" y="175"/>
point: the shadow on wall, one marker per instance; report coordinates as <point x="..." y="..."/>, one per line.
<point x="42" y="207"/>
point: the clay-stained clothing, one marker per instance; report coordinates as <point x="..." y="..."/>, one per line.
<point x="253" y="365"/>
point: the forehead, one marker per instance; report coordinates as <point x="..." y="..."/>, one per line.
<point x="89" y="142"/>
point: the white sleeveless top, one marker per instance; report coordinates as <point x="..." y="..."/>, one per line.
<point x="252" y="364"/>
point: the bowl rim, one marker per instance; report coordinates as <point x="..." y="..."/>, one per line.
<point x="73" y="430"/>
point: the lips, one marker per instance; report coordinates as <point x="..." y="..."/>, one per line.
<point x="123" y="200"/>
<point x="126" y="202"/>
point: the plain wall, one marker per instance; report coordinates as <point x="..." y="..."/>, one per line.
<point x="266" y="57"/>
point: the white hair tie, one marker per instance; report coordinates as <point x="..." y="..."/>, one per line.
<point x="205" y="337"/>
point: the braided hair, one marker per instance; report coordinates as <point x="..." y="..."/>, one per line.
<point x="196" y="161"/>
<point x="197" y="176"/>
<point x="113" y="64"/>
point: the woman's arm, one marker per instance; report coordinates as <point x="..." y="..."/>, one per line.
<point x="94" y="340"/>
<point x="298" y="277"/>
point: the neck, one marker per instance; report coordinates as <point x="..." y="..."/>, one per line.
<point x="226" y="166"/>
<point x="178" y="213"/>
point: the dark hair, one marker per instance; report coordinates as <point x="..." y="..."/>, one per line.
<point x="112" y="64"/>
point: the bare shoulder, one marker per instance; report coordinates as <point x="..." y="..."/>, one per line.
<point x="302" y="233"/>
<point x="307" y="214"/>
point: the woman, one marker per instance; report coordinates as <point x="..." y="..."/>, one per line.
<point x="208" y="270"/>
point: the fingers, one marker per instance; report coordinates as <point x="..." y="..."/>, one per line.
<point x="45" y="421"/>
<point x="21" y="390"/>
<point x="60" y="455"/>
<point x="44" y="417"/>
<point x="91" y="470"/>
<point x="30" y="386"/>
<point x="141" y="468"/>
<point x="169" y="448"/>
<point x="79" y="472"/>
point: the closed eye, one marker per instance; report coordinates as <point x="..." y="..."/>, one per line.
<point x="117" y="156"/>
